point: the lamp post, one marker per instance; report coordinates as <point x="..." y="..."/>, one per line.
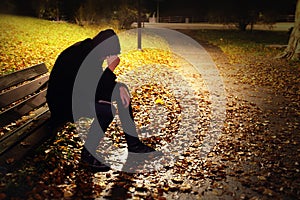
<point x="139" y="26"/>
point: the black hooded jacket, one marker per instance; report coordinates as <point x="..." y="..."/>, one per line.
<point x="62" y="78"/>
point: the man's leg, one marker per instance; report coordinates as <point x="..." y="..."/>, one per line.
<point x="105" y="115"/>
<point x="128" y="125"/>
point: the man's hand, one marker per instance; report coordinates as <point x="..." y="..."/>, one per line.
<point x="112" y="62"/>
<point x="125" y="96"/>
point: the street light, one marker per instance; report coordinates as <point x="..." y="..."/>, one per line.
<point x="139" y="26"/>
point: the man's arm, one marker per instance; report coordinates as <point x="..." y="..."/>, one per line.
<point x="113" y="62"/>
<point x="107" y="83"/>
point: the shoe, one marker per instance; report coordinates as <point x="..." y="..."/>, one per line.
<point x="136" y="146"/>
<point x="90" y="162"/>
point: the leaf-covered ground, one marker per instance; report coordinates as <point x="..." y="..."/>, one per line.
<point x="257" y="156"/>
<point x="262" y="128"/>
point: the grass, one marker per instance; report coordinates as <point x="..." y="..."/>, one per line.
<point x="236" y="43"/>
<point x="27" y="41"/>
<point x="239" y="38"/>
<point x="246" y="39"/>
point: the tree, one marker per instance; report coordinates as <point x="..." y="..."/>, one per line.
<point x="126" y="15"/>
<point x="87" y="13"/>
<point x="245" y="13"/>
<point x="292" y="52"/>
<point x="240" y="13"/>
<point x="7" y="6"/>
<point x="47" y="9"/>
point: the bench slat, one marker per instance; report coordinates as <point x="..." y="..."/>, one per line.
<point x="23" y="108"/>
<point x="22" y="75"/>
<point x="23" y="93"/>
<point x="13" y="95"/>
<point x="23" y="131"/>
<point x="36" y="138"/>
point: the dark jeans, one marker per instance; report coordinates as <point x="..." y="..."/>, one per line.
<point x="105" y="115"/>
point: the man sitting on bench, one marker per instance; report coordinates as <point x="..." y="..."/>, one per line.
<point x="60" y="88"/>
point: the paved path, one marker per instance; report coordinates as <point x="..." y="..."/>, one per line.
<point x="198" y="174"/>
<point x="198" y="62"/>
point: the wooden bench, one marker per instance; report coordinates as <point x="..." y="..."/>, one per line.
<point x="24" y="115"/>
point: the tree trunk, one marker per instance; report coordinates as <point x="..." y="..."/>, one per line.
<point x="292" y="52"/>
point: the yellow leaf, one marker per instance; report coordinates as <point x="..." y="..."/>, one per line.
<point x="159" y="101"/>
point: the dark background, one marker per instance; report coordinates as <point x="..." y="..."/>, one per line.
<point x="241" y="12"/>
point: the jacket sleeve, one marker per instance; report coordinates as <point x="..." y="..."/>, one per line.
<point x="106" y="86"/>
